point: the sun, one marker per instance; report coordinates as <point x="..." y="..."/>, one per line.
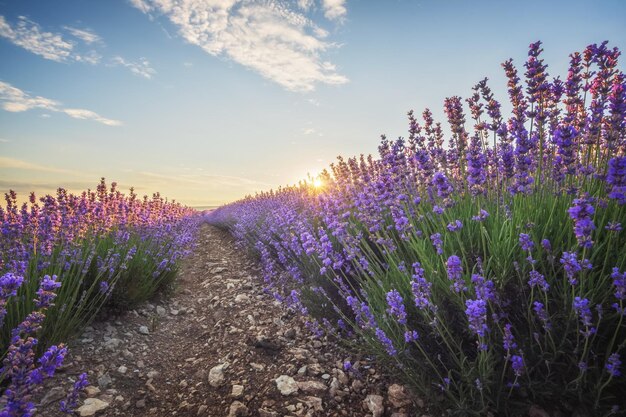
<point x="318" y="183"/>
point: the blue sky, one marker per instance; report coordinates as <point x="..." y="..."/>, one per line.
<point x="207" y="101"/>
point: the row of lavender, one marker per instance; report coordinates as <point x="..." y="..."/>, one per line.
<point x="61" y="260"/>
<point x="489" y="273"/>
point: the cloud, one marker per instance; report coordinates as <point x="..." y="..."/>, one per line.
<point x="269" y="37"/>
<point x="12" y="99"/>
<point x="29" y="36"/>
<point x="2" y="140"/>
<point x="85" y="35"/>
<point x="308" y="131"/>
<point x="141" y="68"/>
<point x="334" y="9"/>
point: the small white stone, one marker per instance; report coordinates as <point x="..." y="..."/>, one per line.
<point x="286" y="385"/>
<point x="91" y="407"/>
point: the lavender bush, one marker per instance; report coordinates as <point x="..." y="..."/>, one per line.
<point x="62" y="260"/>
<point x="490" y="273"/>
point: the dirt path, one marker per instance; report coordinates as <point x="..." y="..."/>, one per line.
<point x="216" y="348"/>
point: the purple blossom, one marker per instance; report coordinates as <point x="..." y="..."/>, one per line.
<point x="571" y="265"/>
<point x="46" y="293"/>
<point x="443" y="186"/>
<point x="410" y="336"/>
<point x="541" y="313"/>
<point x="581" y="306"/>
<point x="613" y="364"/>
<point x="526" y="242"/>
<point x="420" y="287"/>
<point x="582" y="215"/>
<point x="455" y="274"/>
<point x="616" y="178"/>
<point x="437" y="242"/>
<point x="485" y="289"/>
<point x="9" y="283"/>
<point x="396" y="306"/>
<point x="482" y="215"/>
<point x="476" y="312"/>
<point x="104" y="287"/>
<point x="546" y="245"/>
<point x="538" y="280"/>
<point x="508" y="341"/>
<point x="517" y="363"/>
<point x="619" y="282"/>
<point x="71" y="401"/>
<point x="614" y="227"/>
<point x="386" y="342"/>
<point x="454" y="226"/>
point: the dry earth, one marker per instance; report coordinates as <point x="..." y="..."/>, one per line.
<point x="219" y="346"/>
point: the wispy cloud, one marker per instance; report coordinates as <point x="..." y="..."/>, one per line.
<point x="28" y="35"/>
<point x="74" y="45"/>
<point x="86" y="35"/>
<point x="273" y="38"/>
<point x="14" y="100"/>
<point x="2" y="140"/>
<point x="141" y="68"/>
<point x="334" y="9"/>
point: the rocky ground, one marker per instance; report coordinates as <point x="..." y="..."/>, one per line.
<point x="220" y="347"/>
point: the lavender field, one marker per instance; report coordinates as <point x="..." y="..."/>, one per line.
<point x="490" y="274"/>
<point x="294" y="262"/>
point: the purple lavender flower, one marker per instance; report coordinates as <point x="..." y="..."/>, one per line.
<point x="526" y="242"/>
<point x="582" y="215"/>
<point x="565" y="138"/>
<point x="444" y="188"/>
<point x="508" y="341"/>
<point x="482" y="215"/>
<point x="581" y="306"/>
<point x="541" y="313"/>
<point x="454" y="226"/>
<point x="619" y="282"/>
<point x="437" y="210"/>
<point x="485" y="289"/>
<point x="570" y="263"/>
<point x="613" y="364"/>
<point x="386" y="342"/>
<point x="476" y="312"/>
<point x="46" y="293"/>
<point x="517" y="363"/>
<point x="613" y="227"/>
<point x="71" y="401"/>
<point x="616" y="178"/>
<point x="538" y="280"/>
<point x="410" y="336"/>
<point x="9" y="283"/>
<point x="546" y="245"/>
<point x="396" y="306"/>
<point x="437" y="242"/>
<point x="476" y="163"/>
<point x="104" y="287"/>
<point x="420" y="287"/>
<point x="455" y="274"/>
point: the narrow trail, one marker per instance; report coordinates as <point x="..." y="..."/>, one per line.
<point x="216" y="348"/>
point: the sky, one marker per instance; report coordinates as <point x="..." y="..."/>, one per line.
<point x="207" y="101"/>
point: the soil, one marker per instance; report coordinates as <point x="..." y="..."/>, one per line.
<point x="163" y="359"/>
